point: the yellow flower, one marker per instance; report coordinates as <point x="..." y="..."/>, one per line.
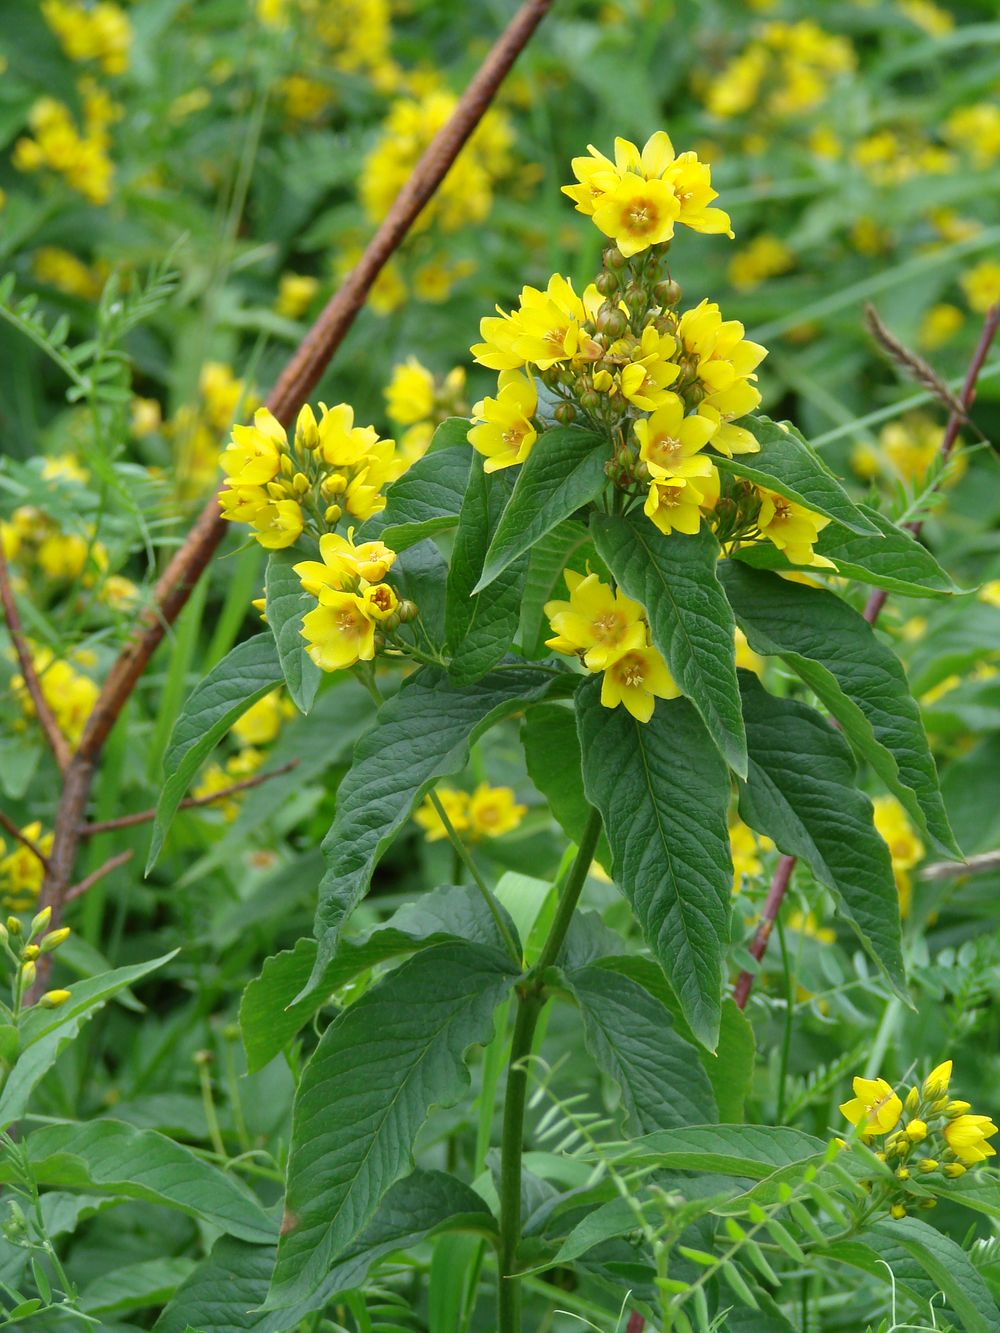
<point x="690" y="181"/>
<point x="939" y="325"/>
<point x="792" y="528"/>
<point x="637" y="213"/>
<point x="504" y="434"/>
<point x="644" y="381"/>
<point x="765" y="257"/>
<point x="905" y="848"/>
<point x="669" y="441"/>
<point x="807" y="925"/>
<point x="493" y="811"/>
<point x="340" y="631"/>
<point x="296" y="292"/>
<point x="21" y="872"/>
<point x="723" y="367"/>
<point x="456" y="807"/>
<point x="990" y="593"/>
<point x="912" y="444"/>
<point x="745" y="655"/>
<point x="936" y="1082"/>
<point x="379" y="601"/>
<point x="409" y="396"/>
<point x="260" y="724"/>
<point x="982" y="285"/>
<point x="342" y="563"/>
<point x="675" y="504"/>
<point x="145" y="417"/>
<point x="597" y="624"/>
<point x="278" y="524"/>
<point x="100" y="32"/>
<point x="976" y="129"/>
<point x="544" y="330"/>
<point x="253" y="455"/>
<point x="966" y="1136"/>
<point x="746" y="849"/>
<point x="875" y="1107"/>
<point x="637" y="679"/>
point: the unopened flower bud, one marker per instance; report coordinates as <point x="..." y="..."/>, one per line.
<point x="391" y="622"/>
<point x="407" y="611"/>
<point x="334" y="484"/>
<point x="590" y="401"/>
<point x="333" y="513"/>
<point x="287" y="466"/>
<point x="203" y="1057"/>
<point x="30" y="952"/>
<point x="668" y="292"/>
<point x="27" y="974"/>
<point x="927" y="1204"/>
<point x="897" y="1211"/>
<point x="55" y="938"/>
<point x="912" y="1100"/>
<point x="927" y="1165"/>
<point x="634" y="294"/>
<point x="14" y="925"/>
<point x="916" y="1131"/>
<point x="52" y="999"/>
<point x="40" y="922"/>
<point x="953" y="1170"/>
<point x="300" y="483"/>
<point x="606" y="282"/>
<point x="612" y="321"/>
<point x="565" y="413"/>
<point x="955" y="1109"/>
<point x="902" y="1173"/>
<point x="613" y="257"/>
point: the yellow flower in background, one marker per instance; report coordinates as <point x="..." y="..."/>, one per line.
<point x="409" y="396"/>
<point x="874" y="1107"/>
<point x="982" y="285"/>
<point x="990" y="593"/>
<point x="296" y="293"/>
<point x="145" y="417"/>
<point x="912" y="444"/>
<point x="925" y="14"/>
<point x="100" y="32"/>
<point x="967" y="1136"/>
<point x="67" y="273"/>
<point x="939" y="325"/>
<point x="57" y="143"/>
<point x="21" y="872"/>
<point x="806" y="924"/>
<point x="262" y="721"/>
<point x="765" y="257"/>
<point x="746" y="849"/>
<point x="788" y="70"/>
<point x="596" y="624"/>
<point x="494" y="811"/>
<point x="456" y="807"/>
<point x="66" y="466"/>
<point x="905" y="848"/>
<point x="792" y="528"/>
<point x="637" y="679"/>
<point x="503" y="431"/>
<point x="975" y="129"/>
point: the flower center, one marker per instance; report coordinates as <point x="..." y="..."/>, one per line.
<point x="632" y="673"/>
<point x="608" y="625"/>
<point x="641" y="216"/>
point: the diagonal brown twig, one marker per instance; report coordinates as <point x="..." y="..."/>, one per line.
<point x="46" y="718"/>
<point x="873" y="607"/>
<point x="10" y="827"/>
<point x="111" y="864"/>
<point x="189" y="802"/>
<point x="303" y="371"/>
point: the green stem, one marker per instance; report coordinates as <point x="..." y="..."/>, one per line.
<point x="786" y="1038"/>
<point x="530" y="1002"/>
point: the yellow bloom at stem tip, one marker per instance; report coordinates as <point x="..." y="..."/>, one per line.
<point x="504" y="433"/>
<point x="342" y="563"/>
<point x="637" y="679"/>
<point x="597" y="624"/>
<point x="488" y="812"/>
<point x="874" y="1106"/>
<point x="936" y="1082"/>
<point x="792" y="528"/>
<point x="967" y="1136"/>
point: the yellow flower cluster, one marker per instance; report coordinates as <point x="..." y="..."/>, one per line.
<point x="352" y="36"/>
<point x="981" y="285"/>
<point x="906" y="449"/>
<point x="789" y="69"/>
<point x="746" y="849"/>
<point x="466" y="194"/>
<point x="330" y="468"/>
<point x="70" y="693"/>
<point x="67" y="273"/>
<point x="765" y="257"/>
<point x="975" y="130"/>
<point x="487" y="812"/>
<point x="928" y="1133"/>
<point x="905" y="848"/>
<point x="56" y="142"/>
<point x="296" y="293"/>
<point x="890" y="157"/>
<point x="100" y="32"/>
<point x="195" y="429"/>
<point x="21" y="872"/>
<point x="36" y="542"/>
<point x="608" y="632"/>
<point x="417" y="401"/>
<point x="353" y="601"/>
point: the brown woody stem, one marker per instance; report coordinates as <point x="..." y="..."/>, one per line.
<point x="8" y="825"/>
<point x="873" y="608"/>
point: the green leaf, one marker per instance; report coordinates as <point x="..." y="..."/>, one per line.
<point x="617" y="1217"/>
<point x="801" y="792"/>
<point x="691" y="623"/>
<point x="424" y="500"/>
<point x="631" y="1036"/>
<point x="108" y="1157"/>
<point x="552" y="753"/>
<point x="270" y="1015"/>
<point x="888" y="1246"/>
<point x="788" y="465"/>
<point x="754" y="1151"/>
<point x="564" y="471"/>
<point x="854" y="674"/>
<point x="45" y="1033"/>
<point x="137" y="1286"/>
<point x="663" y="790"/>
<point x="550" y="555"/>
<point x="421" y="574"/>
<point x="225" y="1291"/>
<point x="366" y="1092"/>
<point x="422" y="733"/>
<point x="480" y="627"/>
<point x="243" y="676"/>
<point x="894" y="561"/>
<point x="285" y="604"/>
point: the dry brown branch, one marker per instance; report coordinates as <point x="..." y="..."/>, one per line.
<point x="300" y="375"/>
<point x="189" y="802"/>
<point x="10" y="827"/>
<point x="112" y="863"/>
<point x="972" y="865"/>
<point x="46" y="718"/>
<point x="873" y="607"/>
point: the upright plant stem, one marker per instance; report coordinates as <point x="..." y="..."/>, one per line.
<point x="530" y="1003"/>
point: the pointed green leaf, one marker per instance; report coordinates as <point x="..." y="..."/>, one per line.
<point x="690" y="621"/>
<point x="379" y="1068"/>
<point x="480" y="627"/>
<point x="663" y="791"/>
<point x="564" y="471"/>
<point x="801" y="792"/>
<point x="426" y="499"/>
<point x="270" y="1015"/>
<point x="894" y="561"/>
<point x="136" y="1286"/>
<point x="552" y="755"/>
<point x="632" y="1038"/>
<point x="787" y="464"/>
<point x="44" y="1033"/>
<point x="106" y="1156"/>
<point x="285" y="604"/>
<point x="731" y="1150"/>
<point x="225" y="1291"/>
<point x="854" y="674"/>
<point x="566" y="545"/>
<point x="422" y="733"/>
<point x="243" y="676"/>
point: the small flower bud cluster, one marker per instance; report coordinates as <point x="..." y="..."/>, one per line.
<point x="929" y="1135"/>
<point x="24" y="949"/>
